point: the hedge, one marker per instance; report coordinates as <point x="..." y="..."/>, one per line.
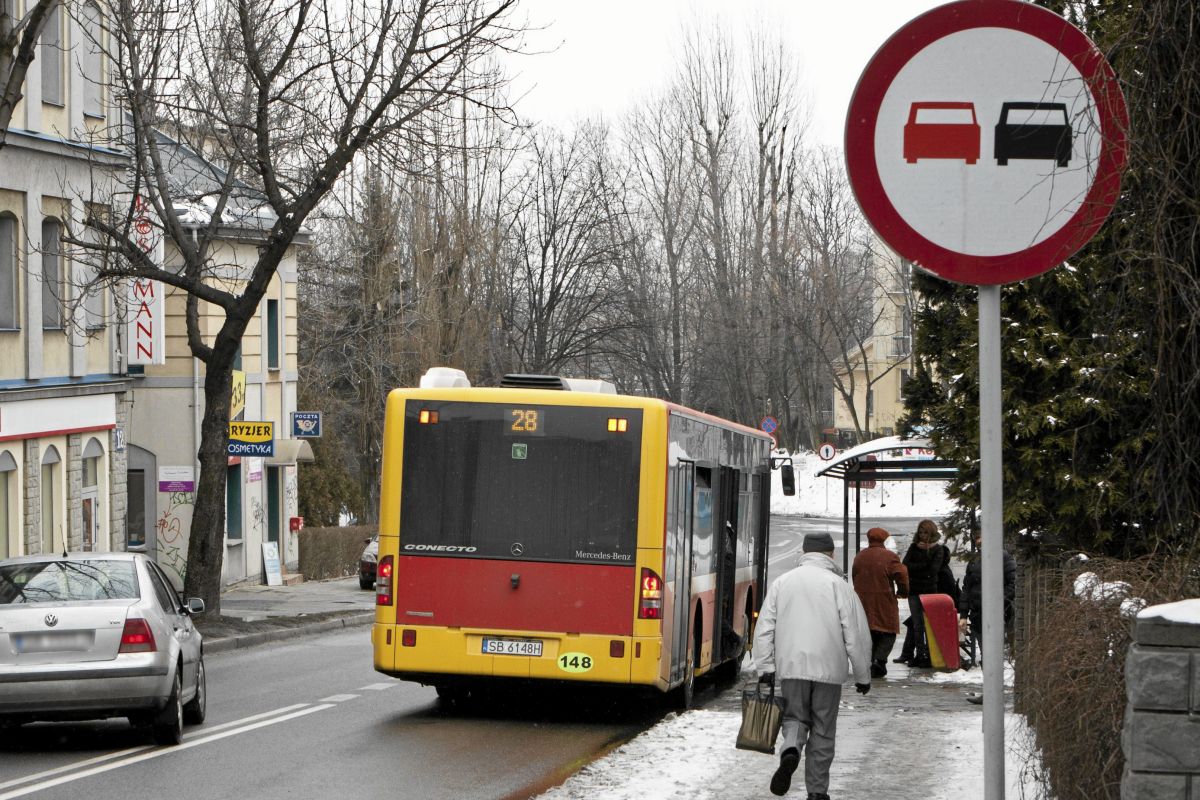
<point x="332" y="552"/>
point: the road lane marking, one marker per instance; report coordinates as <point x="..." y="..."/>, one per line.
<point x="142" y="748"/>
<point x="376" y="687"/>
<point x="37" y="776"/>
<point x="337" y="698"/>
<point x="160" y="751"/>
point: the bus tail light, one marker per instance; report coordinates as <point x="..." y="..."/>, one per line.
<point x="616" y="648"/>
<point x="650" y="605"/>
<point x="383" y="582"/>
<point x="408" y="638"/>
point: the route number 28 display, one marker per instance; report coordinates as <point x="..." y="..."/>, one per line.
<point x="525" y="422"/>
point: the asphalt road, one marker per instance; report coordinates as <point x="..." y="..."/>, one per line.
<point x="311" y="718"/>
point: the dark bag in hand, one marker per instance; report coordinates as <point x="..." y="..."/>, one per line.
<point x="762" y="716"/>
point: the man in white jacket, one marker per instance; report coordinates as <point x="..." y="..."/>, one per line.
<point x="810" y="625"/>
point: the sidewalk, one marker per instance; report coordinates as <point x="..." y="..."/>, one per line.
<point x="254" y="614"/>
<point x="913" y="736"/>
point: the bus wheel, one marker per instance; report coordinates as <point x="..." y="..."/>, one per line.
<point x="682" y="696"/>
<point x="731" y="669"/>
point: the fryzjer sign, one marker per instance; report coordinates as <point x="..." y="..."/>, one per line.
<point x="251" y="439"/>
<point x="985" y="141"/>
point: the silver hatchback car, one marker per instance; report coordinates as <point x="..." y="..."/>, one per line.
<point x="94" y="635"/>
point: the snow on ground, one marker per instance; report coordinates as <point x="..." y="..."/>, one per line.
<point x="691" y="757"/>
<point x="822" y="497"/>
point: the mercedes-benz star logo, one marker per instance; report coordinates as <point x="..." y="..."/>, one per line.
<point x="51" y="620"/>
<point x="517" y="549"/>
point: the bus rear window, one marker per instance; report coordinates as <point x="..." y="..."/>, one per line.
<point x="529" y="483"/>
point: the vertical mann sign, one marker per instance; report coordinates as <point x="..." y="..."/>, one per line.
<point x="145" y="339"/>
<point x="985" y="143"/>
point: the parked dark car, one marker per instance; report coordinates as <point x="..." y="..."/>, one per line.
<point x="366" y="563"/>
<point x="1043" y="133"/>
<point x="96" y="635"/>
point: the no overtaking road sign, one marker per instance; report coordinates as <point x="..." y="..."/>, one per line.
<point x="985" y="141"/>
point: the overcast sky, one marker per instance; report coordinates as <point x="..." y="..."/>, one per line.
<point x="607" y="53"/>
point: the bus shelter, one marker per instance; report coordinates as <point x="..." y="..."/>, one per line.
<point x="891" y="458"/>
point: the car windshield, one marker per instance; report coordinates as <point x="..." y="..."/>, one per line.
<point x="63" y="581"/>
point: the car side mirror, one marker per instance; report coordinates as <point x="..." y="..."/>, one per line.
<point x="787" y="476"/>
<point x="195" y="605"/>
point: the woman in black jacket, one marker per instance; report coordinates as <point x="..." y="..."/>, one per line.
<point x="925" y="559"/>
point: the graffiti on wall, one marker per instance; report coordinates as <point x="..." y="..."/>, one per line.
<point x="171" y="529"/>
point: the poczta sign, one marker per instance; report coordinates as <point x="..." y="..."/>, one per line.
<point x="251" y="439"/>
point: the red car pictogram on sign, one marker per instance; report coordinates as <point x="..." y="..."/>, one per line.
<point x="941" y="130"/>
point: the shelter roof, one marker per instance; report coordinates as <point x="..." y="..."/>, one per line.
<point x="890" y="458"/>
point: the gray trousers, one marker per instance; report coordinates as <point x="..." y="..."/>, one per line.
<point x="810" y="714"/>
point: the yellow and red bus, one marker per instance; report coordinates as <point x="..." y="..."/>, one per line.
<point x="550" y="529"/>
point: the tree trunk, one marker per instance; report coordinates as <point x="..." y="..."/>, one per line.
<point x="206" y="541"/>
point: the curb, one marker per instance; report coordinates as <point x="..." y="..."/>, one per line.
<point x="228" y="643"/>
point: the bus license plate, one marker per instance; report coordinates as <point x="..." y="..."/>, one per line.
<point x="512" y="647"/>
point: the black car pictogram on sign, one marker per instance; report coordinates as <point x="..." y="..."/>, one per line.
<point x="1045" y="132"/>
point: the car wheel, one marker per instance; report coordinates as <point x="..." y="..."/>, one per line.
<point x="168" y="723"/>
<point x="1002" y="162"/>
<point x="197" y="708"/>
<point x="365" y="582"/>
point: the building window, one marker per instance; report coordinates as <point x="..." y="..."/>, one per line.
<point x="91" y="64"/>
<point x="8" y="482"/>
<point x="52" y="316"/>
<point x="233" y="502"/>
<point x="272" y="334"/>
<point x="904" y="376"/>
<point x="8" y="272"/>
<point x="870" y="403"/>
<point x="50" y="56"/>
<point x="50" y="521"/>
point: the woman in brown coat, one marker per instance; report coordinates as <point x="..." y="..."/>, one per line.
<point x="879" y="578"/>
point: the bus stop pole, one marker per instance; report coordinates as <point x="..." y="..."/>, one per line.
<point x="992" y="528"/>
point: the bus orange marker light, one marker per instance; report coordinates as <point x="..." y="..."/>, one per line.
<point x="650" y="605"/>
<point x="428" y="417"/>
<point x="424" y="417"/>
<point x="612" y="424"/>
<point x="408" y="638"/>
<point x="622" y="425"/>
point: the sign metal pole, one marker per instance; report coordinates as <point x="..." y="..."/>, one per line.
<point x="992" y="529"/>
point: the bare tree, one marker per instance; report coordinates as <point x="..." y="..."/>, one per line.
<point x="279" y="97"/>
<point x="19" y="37"/>
<point x="842" y="286"/>
<point x="660" y="226"/>
<point x="563" y="301"/>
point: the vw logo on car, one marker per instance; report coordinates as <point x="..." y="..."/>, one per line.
<point x="51" y="620"/>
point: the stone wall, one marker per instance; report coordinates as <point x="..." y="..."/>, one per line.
<point x="1161" y="738"/>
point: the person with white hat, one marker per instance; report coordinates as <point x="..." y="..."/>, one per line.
<point x="812" y="633"/>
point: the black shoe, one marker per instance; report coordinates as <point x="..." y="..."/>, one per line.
<point x="903" y="660"/>
<point x="781" y="781"/>
<point x="921" y="663"/>
<point x="878" y="670"/>
<point x="817" y="796"/>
